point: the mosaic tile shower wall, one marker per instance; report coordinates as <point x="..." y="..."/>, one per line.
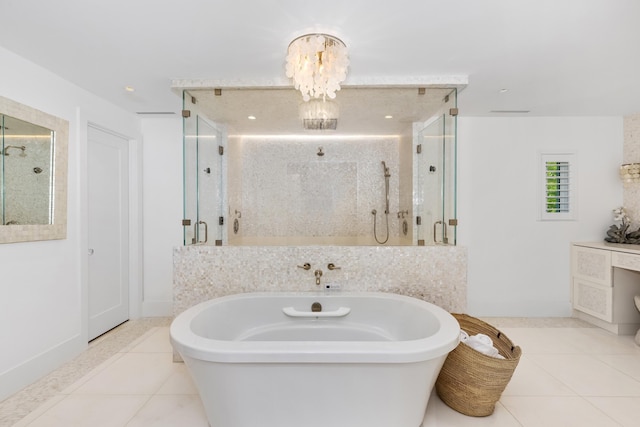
<point x="313" y="189"/>
<point x="437" y="274"/>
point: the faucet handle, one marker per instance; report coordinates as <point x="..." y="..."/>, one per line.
<point x="332" y="266"/>
<point x="306" y="266"/>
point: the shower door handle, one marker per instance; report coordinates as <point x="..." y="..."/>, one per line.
<point x="206" y="232"/>
<point x="435" y="230"/>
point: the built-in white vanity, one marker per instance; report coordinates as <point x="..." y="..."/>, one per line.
<point x="604" y="279"/>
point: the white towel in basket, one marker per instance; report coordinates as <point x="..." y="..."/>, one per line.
<point x="480" y="342"/>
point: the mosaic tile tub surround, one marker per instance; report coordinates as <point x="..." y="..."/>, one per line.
<point x="437" y="274"/>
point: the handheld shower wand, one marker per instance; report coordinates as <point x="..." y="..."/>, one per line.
<point x="387" y="175"/>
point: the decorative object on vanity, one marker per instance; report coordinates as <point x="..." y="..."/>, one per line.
<point x="618" y="233"/>
<point x="472" y="382"/>
<point x="630" y="172"/>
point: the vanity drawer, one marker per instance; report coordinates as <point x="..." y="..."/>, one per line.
<point x="624" y="260"/>
<point x="593" y="265"/>
<point x="593" y="299"/>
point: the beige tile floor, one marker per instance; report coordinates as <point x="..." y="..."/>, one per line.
<point x="570" y="375"/>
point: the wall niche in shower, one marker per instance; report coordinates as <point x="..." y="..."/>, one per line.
<point x="255" y="176"/>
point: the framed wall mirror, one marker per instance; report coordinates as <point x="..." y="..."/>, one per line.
<point x="33" y="174"/>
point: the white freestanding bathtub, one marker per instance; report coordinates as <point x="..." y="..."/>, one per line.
<point x="268" y="359"/>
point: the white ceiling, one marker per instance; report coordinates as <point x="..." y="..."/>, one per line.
<point x="555" y="57"/>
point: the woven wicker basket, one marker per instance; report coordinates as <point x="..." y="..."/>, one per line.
<point x="471" y="382"/>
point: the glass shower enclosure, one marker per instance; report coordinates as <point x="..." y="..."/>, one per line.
<point x="203" y="147"/>
<point x="424" y="212"/>
<point x="435" y="186"/>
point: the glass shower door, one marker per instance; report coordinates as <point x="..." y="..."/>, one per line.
<point x="203" y="221"/>
<point x="436" y="189"/>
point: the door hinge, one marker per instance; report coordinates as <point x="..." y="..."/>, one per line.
<point x="220" y="150"/>
<point x="419" y="148"/>
<point x="418" y="220"/>
<point x="186" y="113"/>
<point x="453" y="222"/>
<point x="186" y="222"/>
<point x="220" y="220"/>
<point x="217" y="92"/>
<point x="453" y="112"/>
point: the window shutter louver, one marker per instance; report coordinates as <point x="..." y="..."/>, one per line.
<point x="559" y="187"/>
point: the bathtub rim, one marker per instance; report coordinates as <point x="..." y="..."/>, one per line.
<point x="190" y="345"/>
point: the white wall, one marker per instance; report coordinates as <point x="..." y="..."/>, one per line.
<point x="43" y="299"/>
<point x="518" y="265"/>
<point x="162" y="207"/>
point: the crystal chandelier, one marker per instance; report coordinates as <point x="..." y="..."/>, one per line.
<point x="319" y="114"/>
<point x="317" y="63"/>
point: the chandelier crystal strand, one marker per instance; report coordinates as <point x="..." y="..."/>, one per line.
<point x="317" y="63"/>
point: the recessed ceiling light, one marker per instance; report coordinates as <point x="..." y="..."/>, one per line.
<point x="129" y="88"/>
<point x="388" y="116"/>
<point x="504" y="90"/>
<point x="251" y="117"/>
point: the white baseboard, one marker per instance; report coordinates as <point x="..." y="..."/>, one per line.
<point x="519" y="309"/>
<point x="28" y="372"/>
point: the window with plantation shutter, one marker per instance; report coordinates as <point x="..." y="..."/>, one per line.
<point x="558" y="186"/>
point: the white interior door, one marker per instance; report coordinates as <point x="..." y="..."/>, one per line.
<point x="108" y="186"/>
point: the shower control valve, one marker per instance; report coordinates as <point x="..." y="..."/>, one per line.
<point x="305" y="266"/>
<point x="332" y="266"/>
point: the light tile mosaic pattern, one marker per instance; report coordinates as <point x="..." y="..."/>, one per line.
<point x="437" y="274"/>
<point x="283" y="188"/>
<point x="571" y="374"/>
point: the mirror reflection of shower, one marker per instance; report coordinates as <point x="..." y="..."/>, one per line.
<point x="387" y="175"/>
